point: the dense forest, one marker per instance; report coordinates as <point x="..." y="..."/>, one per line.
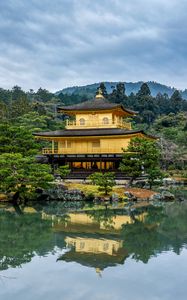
<point x="22" y="113"/>
<point x="130" y="87"/>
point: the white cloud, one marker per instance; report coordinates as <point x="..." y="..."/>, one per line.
<point x="59" y="43"/>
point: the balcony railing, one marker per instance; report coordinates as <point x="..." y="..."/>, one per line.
<point x="50" y="151"/>
<point x="89" y="124"/>
<point x="75" y="151"/>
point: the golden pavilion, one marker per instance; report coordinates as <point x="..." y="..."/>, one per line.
<point x="93" y="138"/>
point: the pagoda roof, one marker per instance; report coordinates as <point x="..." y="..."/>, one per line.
<point x="96" y="104"/>
<point x="95" y="260"/>
<point x="90" y="132"/>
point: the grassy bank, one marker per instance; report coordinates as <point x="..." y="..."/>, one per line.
<point x="88" y="189"/>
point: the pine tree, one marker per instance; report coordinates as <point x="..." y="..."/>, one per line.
<point x="141" y="156"/>
<point x="118" y="94"/>
<point x="176" y="102"/>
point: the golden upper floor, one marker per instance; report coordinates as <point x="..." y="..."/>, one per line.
<point x="97" y="121"/>
<point x="97" y="113"/>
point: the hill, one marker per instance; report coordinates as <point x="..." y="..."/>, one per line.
<point x="134" y="87"/>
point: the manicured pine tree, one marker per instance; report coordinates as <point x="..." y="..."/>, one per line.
<point x="104" y="181"/>
<point x="141" y="157"/>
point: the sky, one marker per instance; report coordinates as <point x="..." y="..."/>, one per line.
<point x="54" y="44"/>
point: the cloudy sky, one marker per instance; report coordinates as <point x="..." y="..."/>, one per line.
<point x="60" y="43"/>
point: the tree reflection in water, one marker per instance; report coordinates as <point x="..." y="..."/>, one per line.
<point x="98" y="238"/>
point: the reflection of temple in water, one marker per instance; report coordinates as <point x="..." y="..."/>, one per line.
<point x="87" y="223"/>
<point x="97" y="246"/>
<point x="91" y="241"/>
<point x="95" y="252"/>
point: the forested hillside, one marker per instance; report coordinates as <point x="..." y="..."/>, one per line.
<point x="22" y="113"/>
<point x="131" y="87"/>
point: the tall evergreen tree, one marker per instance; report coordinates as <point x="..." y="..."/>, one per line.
<point x="144" y="90"/>
<point x="43" y="95"/>
<point x="118" y="93"/>
<point x="145" y="105"/>
<point x="176" y="102"/>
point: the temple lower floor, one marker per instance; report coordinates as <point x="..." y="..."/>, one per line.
<point x="93" y="165"/>
<point x="83" y="165"/>
<point x="87" y="162"/>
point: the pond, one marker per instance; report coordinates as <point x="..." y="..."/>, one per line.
<point x="59" y="252"/>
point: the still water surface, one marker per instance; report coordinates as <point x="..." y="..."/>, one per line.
<point x="52" y="252"/>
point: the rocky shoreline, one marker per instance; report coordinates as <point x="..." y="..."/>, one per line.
<point x="65" y="191"/>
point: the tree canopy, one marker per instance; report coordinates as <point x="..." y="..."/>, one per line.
<point x="141" y="157"/>
<point x="104" y="181"/>
<point x="23" y="174"/>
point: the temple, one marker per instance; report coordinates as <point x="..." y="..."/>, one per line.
<point x="94" y="137"/>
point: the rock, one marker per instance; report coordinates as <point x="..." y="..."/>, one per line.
<point x="61" y="194"/>
<point x="146" y="186"/>
<point x="140" y="183"/>
<point x="42" y="159"/>
<point x="163" y="196"/>
<point x="156" y="197"/>
<point x="128" y="194"/>
<point x="167" y="196"/>
<point x="180" y="199"/>
<point x="168" y="181"/>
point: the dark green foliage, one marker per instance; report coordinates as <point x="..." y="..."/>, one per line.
<point x="17" y="136"/>
<point x="63" y="171"/>
<point x="154" y="174"/>
<point x="22" y="237"/>
<point x="141" y="157"/>
<point x="144" y="91"/>
<point x="176" y="102"/>
<point x="19" y="120"/>
<point x="131" y="165"/>
<point x="131" y="87"/>
<point x="118" y="94"/>
<point x="23" y="174"/>
<point x="172" y="127"/>
<point x="104" y="181"/>
<point x="173" y="136"/>
<point x="66" y="99"/>
<point x="42" y="95"/>
<point x="149" y="107"/>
